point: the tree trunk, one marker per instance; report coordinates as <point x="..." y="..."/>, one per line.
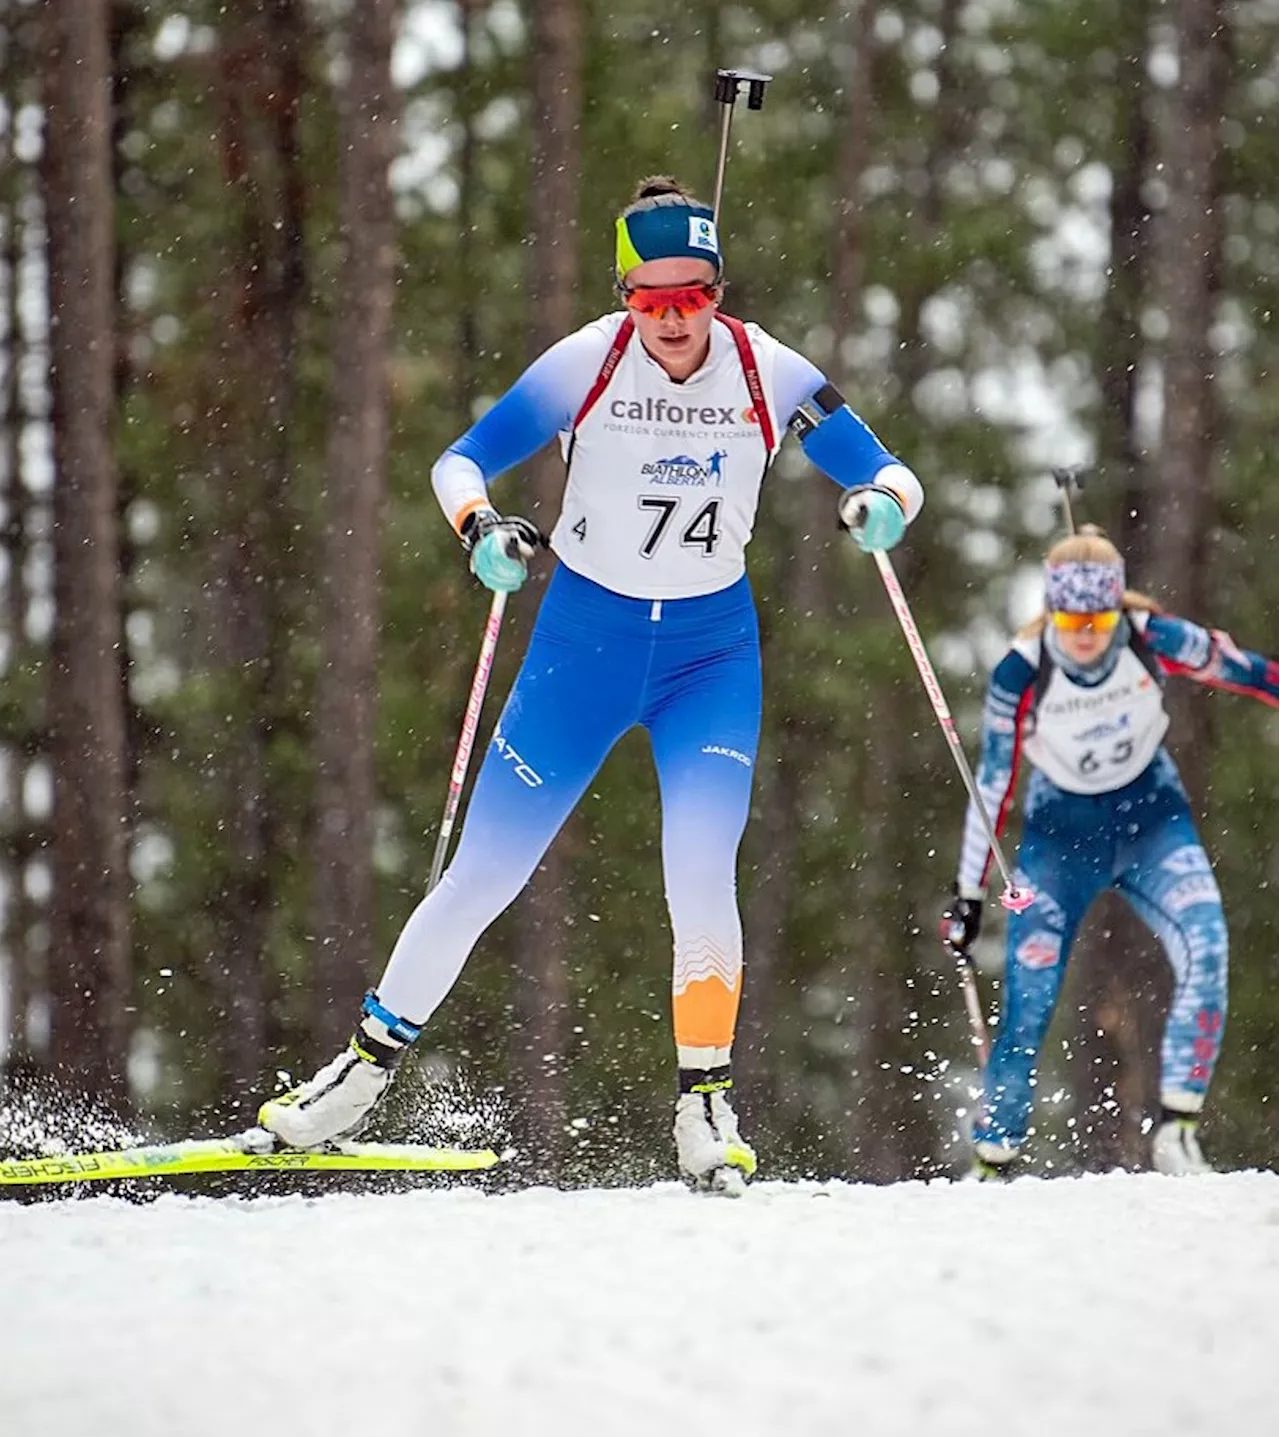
<point x="542" y="986"/>
<point x="1163" y="531"/>
<point x="1176" y="563"/>
<point x="21" y="842"/>
<point x="90" y="962"/>
<point x="357" y="463"/>
<point x="788" y="750"/>
<point x="886" y="1127"/>
<point x="128" y="26"/>
<point x="469" y="289"/>
<point x="259" y="78"/>
<point x="1115" y="975"/>
<point x="1121" y="349"/>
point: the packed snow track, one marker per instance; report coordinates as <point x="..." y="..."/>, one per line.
<point x="1113" y="1306"/>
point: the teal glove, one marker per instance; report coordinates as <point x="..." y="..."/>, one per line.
<point x="500" y="549"/>
<point x="873" y="517"/>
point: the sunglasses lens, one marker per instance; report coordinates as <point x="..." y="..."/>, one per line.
<point x="1101" y="623"/>
<point x="685" y="300"/>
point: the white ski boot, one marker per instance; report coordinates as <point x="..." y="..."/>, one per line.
<point x="339" y="1100"/>
<point x="992" y="1163"/>
<point x="709" y="1148"/>
<point x="1175" y="1149"/>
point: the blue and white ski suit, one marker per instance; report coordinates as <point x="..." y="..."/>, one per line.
<point x="1105" y="808"/>
<point x="647" y="620"/>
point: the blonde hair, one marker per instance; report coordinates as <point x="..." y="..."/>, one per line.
<point x="1088" y="545"/>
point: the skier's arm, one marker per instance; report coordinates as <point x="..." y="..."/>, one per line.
<point x="541" y="403"/>
<point x="1209" y="656"/>
<point x="832" y="435"/>
<point x="1008" y="695"/>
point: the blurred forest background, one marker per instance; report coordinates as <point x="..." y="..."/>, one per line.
<point x="261" y="260"/>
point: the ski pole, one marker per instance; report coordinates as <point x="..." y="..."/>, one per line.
<point x="1015" y="899"/>
<point x="467" y="738"/>
<point x="726" y="93"/>
<point x="973" y="1006"/>
<point x="1064" y="478"/>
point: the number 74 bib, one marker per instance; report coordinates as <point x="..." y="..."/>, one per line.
<point x="664" y="478"/>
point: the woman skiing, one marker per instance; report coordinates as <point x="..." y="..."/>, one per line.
<point x="1081" y="694"/>
<point x="668" y="414"/>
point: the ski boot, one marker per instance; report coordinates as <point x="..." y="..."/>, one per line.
<point x="709" y="1148"/>
<point x="992" y="1163"/>
<point x="338" y="1101"/>
<point x="1175" y="1149"/>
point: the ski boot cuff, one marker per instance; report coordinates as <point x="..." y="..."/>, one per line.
<point x="998" y="1155"/>
<point x="1178" y="1103"/>
<point x="381" y="1037"/>
<point x="706" y="1080"/>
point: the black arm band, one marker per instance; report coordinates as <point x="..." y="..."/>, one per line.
<point x="828" y="399"/>
<point x="814" y="410"/>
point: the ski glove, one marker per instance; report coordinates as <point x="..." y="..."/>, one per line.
<point x="873" y="517"/>
<point x="500" y="549"/>
<point x="961" y="924"/>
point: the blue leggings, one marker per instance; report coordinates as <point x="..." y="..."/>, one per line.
<point x="598" y="664"/>
<point x="1140" y="840"/>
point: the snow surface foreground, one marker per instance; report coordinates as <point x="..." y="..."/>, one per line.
<point x="1120" y="1305"/>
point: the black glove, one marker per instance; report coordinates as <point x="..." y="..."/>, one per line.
<point x="522" y="535"/>
<point x="500" y="548"/>
<point x="874" y="518"/>
<point x="961" y="924"/>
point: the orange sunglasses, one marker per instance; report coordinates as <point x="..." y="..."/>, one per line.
<point x="1101" y="623"/>
<point x="685" y="299"/>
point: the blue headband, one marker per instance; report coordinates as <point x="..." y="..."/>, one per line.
<point x="667" y="231"/>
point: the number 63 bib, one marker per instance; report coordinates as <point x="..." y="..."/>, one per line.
<point x="1093" y="740"/>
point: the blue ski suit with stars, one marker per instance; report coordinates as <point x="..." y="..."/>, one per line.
<point x="1131" y="831"/>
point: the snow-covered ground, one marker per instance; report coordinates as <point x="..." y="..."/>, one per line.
<point x="1098" y="1307"/>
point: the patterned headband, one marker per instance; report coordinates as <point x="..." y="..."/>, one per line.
<point x="1079" y="587"/>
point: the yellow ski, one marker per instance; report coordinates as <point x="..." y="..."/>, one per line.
<point x="233" y="1155"/>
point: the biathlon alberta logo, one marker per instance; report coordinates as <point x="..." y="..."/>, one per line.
<point x="685" y="470"/>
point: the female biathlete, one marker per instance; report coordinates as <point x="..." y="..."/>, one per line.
<point x="1081" y="694"/>
<point x="668" y="414"/>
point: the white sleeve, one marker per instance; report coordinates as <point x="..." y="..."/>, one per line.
<point x="459" y="486"/>
<point x="795" y="379"/>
